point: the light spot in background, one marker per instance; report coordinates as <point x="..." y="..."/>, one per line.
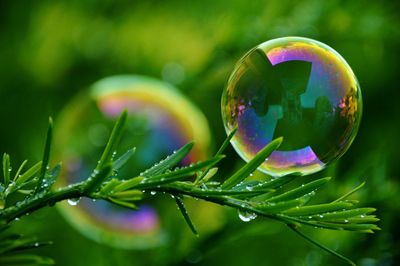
<point x="173" y="73"/>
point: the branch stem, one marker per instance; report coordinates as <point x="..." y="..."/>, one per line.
<point x="38" y="202"/>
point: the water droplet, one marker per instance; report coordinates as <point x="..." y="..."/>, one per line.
<point x="194" y="257"/>
<point x="153" y="193"/>
<point x="346" y="221"/>
<point x="73" y="202"/>
<point x="246" y="216"/>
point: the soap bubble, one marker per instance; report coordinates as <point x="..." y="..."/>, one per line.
<point x="160" y="121"/>
<point x="297" y="88"/>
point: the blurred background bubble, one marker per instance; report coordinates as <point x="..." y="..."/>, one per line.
<point x="156" y="127"/>
<point x="51" y="52"/>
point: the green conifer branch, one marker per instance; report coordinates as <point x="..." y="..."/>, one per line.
<point x="270" y="199"/>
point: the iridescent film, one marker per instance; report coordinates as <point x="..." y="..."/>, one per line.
<point x="297" y="88"/>
<point x="160" y="121"/>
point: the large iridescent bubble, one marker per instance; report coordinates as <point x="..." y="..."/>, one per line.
<point x="297" y="88"/>
<point x="160" y="121"/>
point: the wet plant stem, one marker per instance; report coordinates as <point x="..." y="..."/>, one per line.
<point x="40" y="201"/>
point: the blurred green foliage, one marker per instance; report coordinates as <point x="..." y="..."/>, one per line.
<point x="51" y="50"/>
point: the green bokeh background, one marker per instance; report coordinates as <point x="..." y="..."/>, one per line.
<point x="52" y="50"/>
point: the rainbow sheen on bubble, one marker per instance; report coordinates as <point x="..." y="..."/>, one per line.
<point x="297" y="88"/>
<point x="160" y="121"/>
